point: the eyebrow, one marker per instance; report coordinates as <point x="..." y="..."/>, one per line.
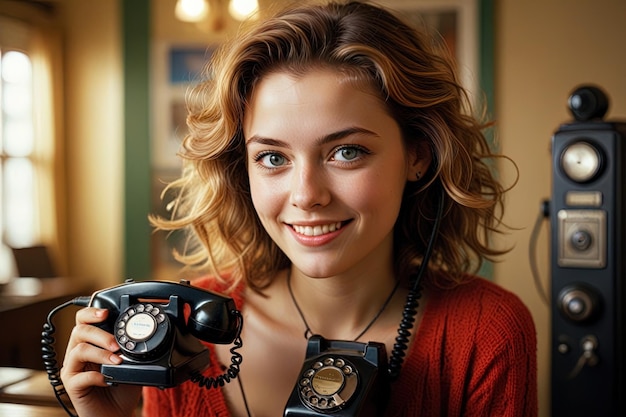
<point x="331" y="137"/>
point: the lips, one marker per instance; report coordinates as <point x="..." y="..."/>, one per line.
<point x="316" y="230"/>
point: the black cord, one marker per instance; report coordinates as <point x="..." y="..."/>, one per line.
<point x="243" y="396"/>
<point x="412" y="300"/>
<point x="48" y="353"/>
<point x="532" y="247"/>
<point x="233" y="370"/>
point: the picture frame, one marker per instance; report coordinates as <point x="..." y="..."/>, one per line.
<point x="177" y="67"/>
<point x="457" y="23"/>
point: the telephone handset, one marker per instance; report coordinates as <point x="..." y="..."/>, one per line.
<point x="341" y="378"/>
<point x="159" y="345"/>
<point x="157" y="325"/>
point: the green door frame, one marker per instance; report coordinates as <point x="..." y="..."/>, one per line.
<point x="137" y="177"/>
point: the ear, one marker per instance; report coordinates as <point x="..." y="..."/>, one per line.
<point x="420" y="158"/>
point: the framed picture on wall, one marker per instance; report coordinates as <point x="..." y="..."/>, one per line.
<point x="176" y="69"/>
<point x="456" y="22"/>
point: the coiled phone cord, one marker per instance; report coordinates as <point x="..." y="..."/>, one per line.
<point x="412" y="300"/>
<point x="232" y="371"/>
<point x="49" y="355"/>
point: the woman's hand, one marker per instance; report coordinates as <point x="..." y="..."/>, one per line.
<point x="88" y="348"/>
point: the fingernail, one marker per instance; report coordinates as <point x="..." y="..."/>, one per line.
<point x="99" y="313"/>
<point x="115" y="359"/>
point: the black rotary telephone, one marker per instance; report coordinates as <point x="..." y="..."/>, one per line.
<point x="342" y="379"/>
<point x="157" y="325"/>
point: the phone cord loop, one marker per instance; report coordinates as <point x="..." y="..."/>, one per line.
<point x="48" y="353"/>
<point x="233" y="370"/>
<point x="412" y="300"/>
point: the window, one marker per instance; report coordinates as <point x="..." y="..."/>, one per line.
<point x="18" y="221"/>
<point x="20" y="162"/>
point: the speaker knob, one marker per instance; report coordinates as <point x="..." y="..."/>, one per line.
<point x="578" y="304"/>
<point x="581" y="162"/>
<point x="581" y="240"/>
<point x="588" y="102"/>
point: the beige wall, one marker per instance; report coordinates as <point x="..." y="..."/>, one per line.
<point x="94" y="135"/>
<point x="544" y="49"/>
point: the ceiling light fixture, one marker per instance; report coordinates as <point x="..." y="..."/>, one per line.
<point x="192" y="10"/>
<point x="243" y="9"/>
<point x="198" y="10"/>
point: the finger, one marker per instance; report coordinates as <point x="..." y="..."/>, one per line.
<point x="91" y="315"/>
<point x="77" y="359"/>
<point x="82" y="381"/>
<point x="80" y="333"/>
<point x="86" y="333"/>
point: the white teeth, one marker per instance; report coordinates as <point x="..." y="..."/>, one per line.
<point x="317" y="230"/>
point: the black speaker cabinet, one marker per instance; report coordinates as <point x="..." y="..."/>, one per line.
<point x="588" y="234"/>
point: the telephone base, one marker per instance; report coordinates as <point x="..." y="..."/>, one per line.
<point x="163" y="375"/>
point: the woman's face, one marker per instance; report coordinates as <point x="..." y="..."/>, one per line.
<point x="327" y="168"/>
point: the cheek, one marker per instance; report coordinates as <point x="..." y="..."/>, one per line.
<point x="256" y="194"/>
<point x="264" y="197"/>
<point x="377" y="193"/>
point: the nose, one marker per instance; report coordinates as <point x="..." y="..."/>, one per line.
<point x="309" y="188"/>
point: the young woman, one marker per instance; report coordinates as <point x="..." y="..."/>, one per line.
<point x="325" y="146"/>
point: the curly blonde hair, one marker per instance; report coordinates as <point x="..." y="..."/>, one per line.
<point x="417" y="81"/>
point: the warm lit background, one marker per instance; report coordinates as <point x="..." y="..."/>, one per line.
<point x="542" y="50"/>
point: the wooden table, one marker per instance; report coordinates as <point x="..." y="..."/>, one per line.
<point x="22" y="410"/>
<point x="26" y="386"/>
<point x="26" y="392"/>
<point x="24" y="307"/>
<point x="24" y="292"/>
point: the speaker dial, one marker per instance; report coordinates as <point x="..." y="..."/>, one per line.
<point x="581" y="162"/>
<point x="577" y="303"/>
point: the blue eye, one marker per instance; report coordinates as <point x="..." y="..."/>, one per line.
<point x="348" y="153"/>
<point x="272" y="160"/>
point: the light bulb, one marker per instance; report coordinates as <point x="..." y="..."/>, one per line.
<point x="191" y="10"/>
<point x="243" y="9"/>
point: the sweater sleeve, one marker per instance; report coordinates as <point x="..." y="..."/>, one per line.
<point x="503" y="374"/>
<point x="155" y="403"/>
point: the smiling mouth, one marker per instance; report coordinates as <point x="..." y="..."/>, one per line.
<point x="317" y="230"/>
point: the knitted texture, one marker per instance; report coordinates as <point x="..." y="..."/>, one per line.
<point x="474" y="355"/>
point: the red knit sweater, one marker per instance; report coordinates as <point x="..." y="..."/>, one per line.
<point x="474" y="355"/>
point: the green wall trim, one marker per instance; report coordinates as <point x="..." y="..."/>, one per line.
<point x="486" y="39"/>
<point x="136" y="42"/>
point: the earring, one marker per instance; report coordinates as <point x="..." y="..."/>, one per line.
<point x="418" y="175"/>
